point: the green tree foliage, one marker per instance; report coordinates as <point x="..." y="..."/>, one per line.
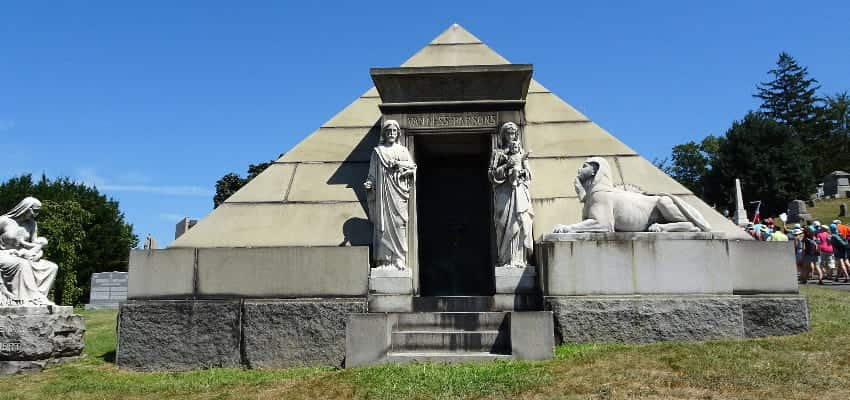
<point x="765" y="155"/>
<point x="837" y="121"/>
<point x="790" y="98"/>
<point x="107" y="237"/>
<point x="691" y="162"/>
<point x="64" y="223"/>
<point x="230" y="183"/>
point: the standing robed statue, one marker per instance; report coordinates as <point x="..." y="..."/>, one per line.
<point x="391" y="175"/>
<point x="512" y="212"/>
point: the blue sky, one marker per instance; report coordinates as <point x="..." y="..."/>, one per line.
<point x="154" y="101"/>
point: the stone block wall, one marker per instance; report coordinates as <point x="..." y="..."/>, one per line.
<point x="178" y="335"/>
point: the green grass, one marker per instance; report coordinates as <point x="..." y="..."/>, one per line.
<point x="826" y="210"/>
<point x="807" y="366"/>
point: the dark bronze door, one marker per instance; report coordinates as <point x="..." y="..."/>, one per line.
<point x="453" y="215"/>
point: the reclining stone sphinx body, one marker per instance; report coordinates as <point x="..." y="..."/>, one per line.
<point x="612" y="209"/>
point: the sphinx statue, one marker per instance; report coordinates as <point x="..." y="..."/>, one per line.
<point x="607" y="208"/>
<point x="25" y="277"/>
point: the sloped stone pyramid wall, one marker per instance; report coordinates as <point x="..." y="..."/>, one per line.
<point x="313" y="196"/>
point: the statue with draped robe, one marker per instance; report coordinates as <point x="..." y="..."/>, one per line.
<point x="25" y="277"/>
<point x="391" y="175"/>
<point x="512" y="212"/>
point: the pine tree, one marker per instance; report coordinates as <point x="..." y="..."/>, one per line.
<point x="790" y="98"/>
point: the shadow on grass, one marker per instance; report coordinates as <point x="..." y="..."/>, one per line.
<point x="108" y="357"/>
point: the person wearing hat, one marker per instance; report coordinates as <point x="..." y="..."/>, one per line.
<point x="827" y="261"/>
<point x="802" y="269"/>
<point x="839" y="248"/>
<point x="811" y="256"/>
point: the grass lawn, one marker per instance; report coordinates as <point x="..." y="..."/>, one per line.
<point x="815" y="365"/>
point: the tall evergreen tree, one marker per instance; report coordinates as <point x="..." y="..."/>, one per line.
<point x="791" y="97"/>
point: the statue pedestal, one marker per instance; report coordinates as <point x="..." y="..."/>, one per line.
<point x="510" y="280"/>
<point x="390" y="290"/>
<point x="34" y="337"/>
<point x="647" y="287"/>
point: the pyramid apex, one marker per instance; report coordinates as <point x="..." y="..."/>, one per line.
<point x="455" y="34"/>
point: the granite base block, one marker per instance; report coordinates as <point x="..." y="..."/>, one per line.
<point x="34" y="337"/>
<point x="643" y="319"/>
<point x="175" y="335"/>
<point x="775" y="315"/>
<point x="178" y="335"/>
<point x="296" y="333"/>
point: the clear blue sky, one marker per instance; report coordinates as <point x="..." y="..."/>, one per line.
<point x="153" y="101"/>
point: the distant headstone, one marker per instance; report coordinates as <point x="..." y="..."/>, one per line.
<point x="842" y="210"/>
<point x="836" y="184"/>
<point x="797" y="211"/>
<point x="107" y="290"/>
<point x="184" y="225"/>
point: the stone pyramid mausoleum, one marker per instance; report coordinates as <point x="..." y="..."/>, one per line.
<point x="313" y="196"/>
<point x="476" y="168"/>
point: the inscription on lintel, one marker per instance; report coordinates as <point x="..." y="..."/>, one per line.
<point x="452" y="120"/>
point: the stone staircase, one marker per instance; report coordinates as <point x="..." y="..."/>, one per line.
<point x="446" y="329"/>
<point x="450" y="336"/>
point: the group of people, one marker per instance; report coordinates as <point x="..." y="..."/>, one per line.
<point x="820" y="250"/>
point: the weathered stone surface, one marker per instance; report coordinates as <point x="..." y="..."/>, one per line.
<point x="291" y="224"/>
<point x="516" y="280"/>
<point x="774" y="315"/>
<point x="621" y="267"/>
<point x="566" y="139"/>
<point x="547" y="107"/>
<point x="455" y="54"/>
<point x="296" y="333"/>
<point x="32" y="337"/>
<point x="178" y="335"/>
<point x="532" y="335"/>
<point x="329" y="182"/>
<point x="161" y="273"/>
<point x="642" y="319"/>
<point x="50" y="332"/>
<point x="367" y="338"/>
<point x="548" y="213"/>
<point x="335" y="144"/>
<point x="270" y="185"/>
<point x="762" y="267"/>
<point x="283" y="272"/>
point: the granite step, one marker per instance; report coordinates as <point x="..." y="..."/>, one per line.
<point x="452" y="321"/>
<point x="453" y="304"/>
<point x="493" y="341"/>
<point x="436" y="357"/>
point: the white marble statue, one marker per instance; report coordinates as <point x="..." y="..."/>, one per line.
<point x="613" y="209"/>
<point x="512" y="211"/>
<point x="26" y="277"/>
<point x="391" y="175"/>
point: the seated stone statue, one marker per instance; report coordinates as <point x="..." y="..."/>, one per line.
<point x="25" y="278"/>
<point x="612" y="209"/>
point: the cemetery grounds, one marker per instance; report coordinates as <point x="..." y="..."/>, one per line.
<point x="807" y="366"/>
